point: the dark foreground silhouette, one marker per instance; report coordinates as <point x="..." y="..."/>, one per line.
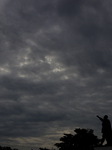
<point x="84" y="139"/>
<point x="106" y="130"/>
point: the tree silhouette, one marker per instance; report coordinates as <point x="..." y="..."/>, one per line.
<point x="84" y="139"/>
<point x="7" y="148"/>
<point x="44" y="149"/>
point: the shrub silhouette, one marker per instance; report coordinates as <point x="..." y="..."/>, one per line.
<point x="84" y="139"/>
<point x="44" y="149"/>
<point x="7" y="148"/>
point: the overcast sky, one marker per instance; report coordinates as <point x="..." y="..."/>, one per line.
<point x="55" y="69"/>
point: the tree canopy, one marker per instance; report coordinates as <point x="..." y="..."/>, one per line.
<point x="83" y="139"/>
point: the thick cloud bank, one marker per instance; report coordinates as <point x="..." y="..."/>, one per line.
<point x="55" y="69"/>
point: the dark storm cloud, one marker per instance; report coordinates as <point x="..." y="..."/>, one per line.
<point x="69" y="9"/>
<point x="91" y="22"/>
<point x="55" y="68"/>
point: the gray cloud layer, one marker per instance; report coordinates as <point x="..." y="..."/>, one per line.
<point x="55" y="69"/>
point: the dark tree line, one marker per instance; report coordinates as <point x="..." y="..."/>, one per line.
<point x="44" y="149"/>
<point x="7" y="148"/>
<point x="83" y="139"/>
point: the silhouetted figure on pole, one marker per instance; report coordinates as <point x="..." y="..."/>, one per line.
<point x="106" y="130"/>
